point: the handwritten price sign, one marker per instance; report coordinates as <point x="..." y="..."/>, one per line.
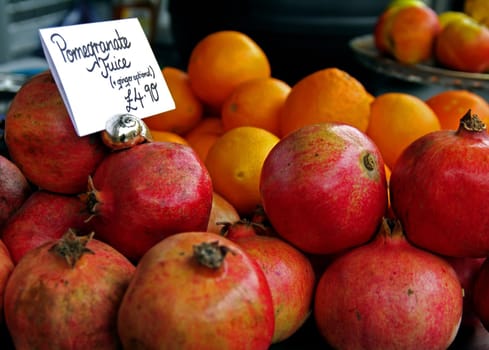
<point x="104" y="69"/>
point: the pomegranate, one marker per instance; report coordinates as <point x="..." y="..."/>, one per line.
<point x="289" y="273"/>
<point x="14" y="189"/>
<point x="142" y="194"/>
<point x="467" y="270"/>
<point x="440" y="188"/>
<point x="221" y="211"/>
<point x="6" y="268"/>
<point x="324" y="188"/>
<point x="242" y="228"/>
<point x="389" y="294"/>
<point x="480" y="290"/>
<point x="197" y="290"/>
<point x="44" y="216"/>
<point x="65" y="294"/>
<point x="42" y="141"/>
<point x="260" y="219"/>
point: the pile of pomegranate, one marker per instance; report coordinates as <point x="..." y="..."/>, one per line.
<point x="129" y="247"/>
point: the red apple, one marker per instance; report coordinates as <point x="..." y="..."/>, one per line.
<point x="407" y="32"/>
<point x="448" y="16"/>
<point x="463" y="44"/>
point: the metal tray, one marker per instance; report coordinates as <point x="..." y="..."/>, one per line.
<point x="424" y="73"/>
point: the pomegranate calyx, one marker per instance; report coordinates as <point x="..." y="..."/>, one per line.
<point x="71" y="247"/>
<point x="471" y="122"/>
<point x="227" y="226"/>
<point x="391" y="228"/>
<point x="210" y="254"/>
<point x="90" y="199"/>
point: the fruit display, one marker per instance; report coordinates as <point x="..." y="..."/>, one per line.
<point x="255" y="215"/>
<point x="412" y="32"/>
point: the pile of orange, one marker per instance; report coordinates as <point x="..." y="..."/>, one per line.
<point x="396" y="120"/>
<point x="231" y="110"/>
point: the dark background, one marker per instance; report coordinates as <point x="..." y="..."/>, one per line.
<point x="299" y="37"/>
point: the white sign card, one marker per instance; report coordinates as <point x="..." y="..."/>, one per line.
<point x="105" y="69"/>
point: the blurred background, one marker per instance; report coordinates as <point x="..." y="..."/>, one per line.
<point x="298" y="36"/>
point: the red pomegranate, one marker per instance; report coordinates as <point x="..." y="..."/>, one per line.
<point x="65" y="294"/>
<point x="42" y="141"/>
<point x="324" y="188"/>
<point x="388" y="294"/>
<point x="467" y="270"/>
<point x="480" y="290"/>
<point x="197" y="290"/>
<point x="289" y="273"/>
<point x="44" y="216"/>
<point x="6" y="268"/>
<point x="440" y="188"/>
<point x="243" y="228"/>
<point x="142" y="194"/>
<point x="14" y="189"/>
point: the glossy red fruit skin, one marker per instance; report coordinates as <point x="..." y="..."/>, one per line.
<point x="388" y="294"/>
<point x="14" y="189"/>
<point x="467" y="270"/>
<point x="173" y="302"/>
<point x="290" y="276"/>
<point x="147" y="193"/>
<point x="439" y="189"/>
<point x="463" y="45"/>
<point x="44" y="216"/>
<point x="50" y="305"/>
<point x="480" y="290"/>
<point x="42" y="141"/>
<point x="324" y="188"/>
<point x="6" y="268"/>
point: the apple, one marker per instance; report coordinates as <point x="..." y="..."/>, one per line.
<point x="448" y="16"/>
<point x="407" y="31"/>
<point x="384" y="22"/>
<point x="402" y="3"/>
<point x="463" y="44"/>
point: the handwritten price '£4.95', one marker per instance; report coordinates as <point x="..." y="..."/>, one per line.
<point x="135" y="98"/>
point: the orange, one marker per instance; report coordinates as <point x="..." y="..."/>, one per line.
<point x="396" y="120"/>
<point x="330" y="94"/>
<point x="188" y="108"/>
<point x="204" y="134"/>
<point x="389" y="213"/>
<point x="235" y="161"/>
<point x="387" y="173"/>
<point x="256" y="102"/>
<point x="221" y="61"/>
<point x="167" y="136"/>
<point x="451" y="105"/>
